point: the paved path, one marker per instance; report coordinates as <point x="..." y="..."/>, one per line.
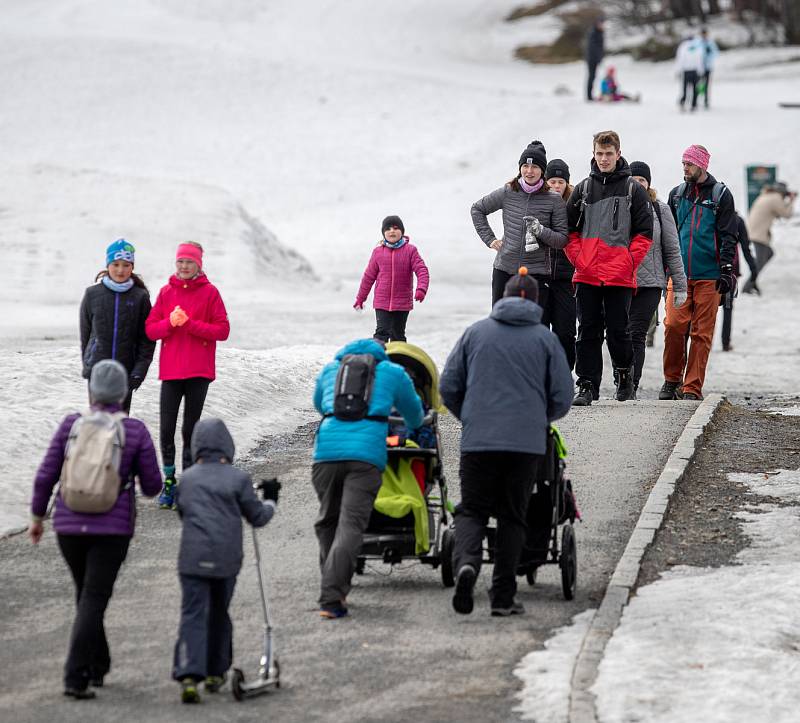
<point x="402" y="655"/>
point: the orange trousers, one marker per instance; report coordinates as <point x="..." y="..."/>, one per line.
<point x="690" y="325"/>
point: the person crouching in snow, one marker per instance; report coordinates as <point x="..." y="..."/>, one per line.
<point x="189" y="318"/>
<point x="112" y="317"/>
<point x="211" y="500"/>
<point x="391" y="268"/>
<point x="609" y="90"/>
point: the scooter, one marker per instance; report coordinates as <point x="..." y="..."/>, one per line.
<point x="269" y="671"/>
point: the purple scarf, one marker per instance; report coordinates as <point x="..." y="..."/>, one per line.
<point x="527" y="187"/>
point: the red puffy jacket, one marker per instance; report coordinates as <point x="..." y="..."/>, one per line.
<point x="188" y="351"/>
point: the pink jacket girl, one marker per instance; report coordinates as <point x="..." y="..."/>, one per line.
<point x="391" y="268"/>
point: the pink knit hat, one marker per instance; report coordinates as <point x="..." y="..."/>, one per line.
<point x="697" y="155"/>
<point x="190" y="251"/>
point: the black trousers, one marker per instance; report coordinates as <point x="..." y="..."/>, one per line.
<point x="499" y="281"/>
<point x="205" y="636"/>
<point x="727" y="322"/>
<point x="193" y="391"/>
<point x="763" y="254"/>
<point x="690" y="79"/>
<point x="560" y="314"/>
<point x="592" y="67"/>
<point x="390" y="325"/>
<point x="602" y="308"/>
<point x="494" y="484"/>
<point x="94" y="561"/>
<point x="643" y="305"/>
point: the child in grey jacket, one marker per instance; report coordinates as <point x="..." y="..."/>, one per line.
<point x="211" y="500"/>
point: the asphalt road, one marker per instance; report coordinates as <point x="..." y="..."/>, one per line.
<point x="402" y="655"/>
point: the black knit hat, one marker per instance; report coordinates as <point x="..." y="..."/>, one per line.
<point x="557" y="169"/>
<point x="390" y="221"/>
<point x="640" y="168"/>
<point x="535" y="154"/>
<point x="522" y="284"/>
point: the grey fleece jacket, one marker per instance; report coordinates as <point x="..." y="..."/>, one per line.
<point x="665" y="250"/>
<point x="546" y="205"/>
<point x="506" y="379"/>
<point x="212" y="498"/>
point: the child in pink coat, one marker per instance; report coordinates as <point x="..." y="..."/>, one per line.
<point x="392" y="265"/>
<point x="189" y="318"/>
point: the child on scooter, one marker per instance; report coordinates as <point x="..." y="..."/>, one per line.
<point x="211" y="500"/>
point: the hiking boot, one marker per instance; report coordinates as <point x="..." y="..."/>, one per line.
<point x="624" y="380"/>
<point x="670" y="390"/>
<point x="691" y="396"/>
<point x="334" y="611"/>
<point x="584" y="395"/>
<point x="79" y="693"/>
<point x="213" y="683"/>
<point x="166" y="500"/>
<point x="465" y="583"/>
<point x="189" y="692"/>
<point x="503" y="611"/>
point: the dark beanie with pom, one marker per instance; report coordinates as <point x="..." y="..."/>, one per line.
<point x="390" y="221"/>
<point x="522" y="284"/>
<point x="640" y="168"/>
<point x="534" y="154"/>
<point x="557" y="169"/>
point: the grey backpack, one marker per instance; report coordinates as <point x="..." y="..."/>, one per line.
<point x="90" y="479"/>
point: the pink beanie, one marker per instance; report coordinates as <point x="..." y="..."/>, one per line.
<point x="697" y="155"/>
<point x="190" y="251"/>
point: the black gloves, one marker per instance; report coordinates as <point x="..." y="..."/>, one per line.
<point x="269" y="489"/>
<point x="134" y="383"/>
<point x="726" y="281"/>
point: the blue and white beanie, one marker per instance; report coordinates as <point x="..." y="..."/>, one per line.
<point x="120" y="250"/>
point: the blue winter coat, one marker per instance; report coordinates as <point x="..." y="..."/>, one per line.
<point x="212" y="498"/>
<point x="364" y="440"/>
<point x="506" y="379"/>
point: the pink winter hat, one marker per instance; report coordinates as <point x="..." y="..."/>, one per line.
<point x="190" y="251"/>
<point x="697" y="155"/>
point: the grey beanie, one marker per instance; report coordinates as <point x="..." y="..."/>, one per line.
<point x="108" y="383"/>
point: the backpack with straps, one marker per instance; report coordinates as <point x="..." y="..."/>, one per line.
<point x="353" y="388"/>
<point x="584" y="191"/>
<point x="712" y="204"/>
<point x="90" y="480"/>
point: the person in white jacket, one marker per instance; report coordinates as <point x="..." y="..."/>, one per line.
<point x="690" y="65"/>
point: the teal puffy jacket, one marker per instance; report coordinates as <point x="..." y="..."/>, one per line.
<point x="364" y="440"/>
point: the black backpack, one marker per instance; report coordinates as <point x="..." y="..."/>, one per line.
<point x="353" y="390"/>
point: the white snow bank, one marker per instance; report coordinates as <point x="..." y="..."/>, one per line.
<point x="716" y="644"/>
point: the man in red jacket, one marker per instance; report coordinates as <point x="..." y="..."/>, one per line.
<point x="611" y="229"/>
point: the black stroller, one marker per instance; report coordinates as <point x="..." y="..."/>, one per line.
<point x="552" y="505"/>
<point x="423" y="534"/>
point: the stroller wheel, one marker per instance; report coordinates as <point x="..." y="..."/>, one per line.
<point x="568" y="562"/>
<point x="446" y="555"/>
<point x="530" y="576"/>
<point x="236" y="684"/>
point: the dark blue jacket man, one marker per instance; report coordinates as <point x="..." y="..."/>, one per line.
<point x="506" y="379"/>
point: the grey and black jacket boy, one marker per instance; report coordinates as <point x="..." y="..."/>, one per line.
<point x="211" y="499"/>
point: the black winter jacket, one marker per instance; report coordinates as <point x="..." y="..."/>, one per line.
<point x="112" y="327"/>
<point x="595" y="46"/>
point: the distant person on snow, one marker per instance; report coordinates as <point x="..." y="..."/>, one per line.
<point x="743" y="241"/>
<point x="609" y="90"/>
<point x="663" y="262"/>
<point x="774" y="202"/>
<point x="506" y="379"/>
<point x="392" y="267"/>
<point x="189" y="318"/>
<point x="211" y="500"/>
<point x="710" y="53"/>
<point x="534" y="224"/>
<point x="112" y="318"/>
<point x="94" y="544"/>
<point x="704" y="213"/>
<point x="595" y="52"/>
<point x="690" y="67"/>
<point x="559" y="307"/>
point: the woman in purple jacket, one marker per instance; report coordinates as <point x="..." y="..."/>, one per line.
<point x="393" y="264"/>
<point x="95" y="545"/>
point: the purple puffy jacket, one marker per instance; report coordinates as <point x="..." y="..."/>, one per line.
<point x="393" y="269"/>
<point x="138" y="459"/>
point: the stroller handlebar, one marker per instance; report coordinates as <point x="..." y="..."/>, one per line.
<point x="427" y="420"/>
